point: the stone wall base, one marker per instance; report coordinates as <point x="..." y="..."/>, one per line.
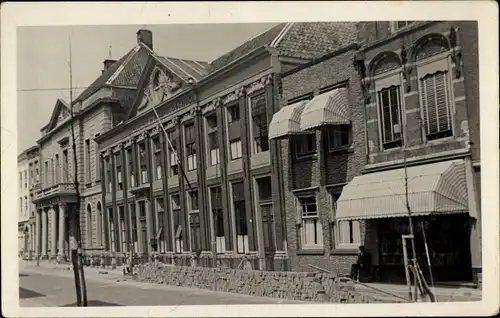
<point x="305" y="286"/>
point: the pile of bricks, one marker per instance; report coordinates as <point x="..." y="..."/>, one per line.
<point x="304" y="286"/>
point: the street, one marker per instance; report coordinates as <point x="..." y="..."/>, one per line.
<point x="40" y="287"/>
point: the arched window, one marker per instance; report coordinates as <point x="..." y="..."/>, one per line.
<point x="99" y="227"/>
<point x="89" y="226"/>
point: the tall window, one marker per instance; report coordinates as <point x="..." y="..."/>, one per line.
<point x="58" y="168"/>
<point x="20" y="180"/>
<point x="65" y="165"/>
<point x="436" y="105"/>
<point x="88" y="170"/>
<point x="46" y="178"/>
<point x="160" y="230"/>
<point x="52" y="174"/>
<point x="260" y="126"/>
<point x="131" y="168"/>
<point x="213" y="140"/>
<point x="133" y="216"/>
<point x="99" y="225"/>
<point x="234" y="131"/>
<point x="172" y="150"/>
<point x="240" y="216"/>
<point x="108" y="175"/>
<point x="176" y="210"/>
<point x="190" y="138"/>
<point x="218" y="219"/>
<point x="305" y="144"/>
<point x="32" y="180"/>
<point x="310" y="226"/>
<point x="390" y="114"/>
<point x="119" y="169"/>
<point x="157" y="158"/>
<point x="123" y="229"/>
<point x="26" y="178"/>
<point x="89" y="225"/>
<point x="143" y="225"/>
<point x="193" y="200"/>
<point x="265" y="206"/>
<point x="97" y="160"/>
<point x="143" y="162"/>
<point x="37" y="173"/>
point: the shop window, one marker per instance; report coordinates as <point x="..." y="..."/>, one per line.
<point x="305" y="145"/>
<point x="436" y="105"/>
<point x="190" y="144"/>
<point x="338" y="137"/>
<point x="311" y="231"/>
<point x="389" y="102"/>
<point x="348" y="234"/>
<point x="260" y="126"/>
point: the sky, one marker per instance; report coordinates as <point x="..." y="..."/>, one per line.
<point x="43" y="59"/>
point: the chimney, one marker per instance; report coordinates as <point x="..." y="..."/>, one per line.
<point x="107" y="64"/>
<point x="146" y="37"/>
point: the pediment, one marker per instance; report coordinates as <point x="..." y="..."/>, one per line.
<point x="59" y="114"/>
<point x="161" y="85"/>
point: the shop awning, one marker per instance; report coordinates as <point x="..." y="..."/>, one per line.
<point x="331" y="108"/>
<point x="438" y="188"/>
<point x="286" y="121"/>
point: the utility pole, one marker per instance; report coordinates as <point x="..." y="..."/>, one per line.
<point x="76" y="254"/>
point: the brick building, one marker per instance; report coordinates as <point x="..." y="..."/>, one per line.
<point x="217" y="187"/>
<point x="420" y="81"/>
<point x="320" y="130"/>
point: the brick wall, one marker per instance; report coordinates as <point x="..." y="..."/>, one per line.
<point x="335" y="168"/>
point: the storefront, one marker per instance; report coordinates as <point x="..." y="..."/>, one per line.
<point x="438" y="199"/>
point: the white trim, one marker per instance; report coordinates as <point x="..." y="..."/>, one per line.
<point x="195" y="70"/>
<point x="280" y="35"/>
<point x="459" y="98"/>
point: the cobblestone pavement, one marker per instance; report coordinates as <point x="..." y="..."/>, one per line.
<point x="39" y="287"/>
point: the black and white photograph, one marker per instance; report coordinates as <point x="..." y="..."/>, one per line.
<point x="284" y="163"/>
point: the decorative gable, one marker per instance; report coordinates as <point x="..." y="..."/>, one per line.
<point x="161" y="86"/>
<point x="60" y="113"/>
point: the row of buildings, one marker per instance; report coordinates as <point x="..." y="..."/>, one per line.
<point x="286" y="152"/>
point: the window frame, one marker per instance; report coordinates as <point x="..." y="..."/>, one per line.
<point x="173" y="162"/>
<point x="395" y="28"/>
<point x="212" y="137"/>
<point x="261" y="94"/>
<point x="330" y="137"/>
<point x="356" y="241"/>
<point x="156" y="145"/>
<point x="190" y="201"/>
<point x="190" y="147"/>
<point x="430" y="67"/>
<point x="298" y="140"/>
<point x="319" y="235"/>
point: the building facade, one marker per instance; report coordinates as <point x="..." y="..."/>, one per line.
<point x="214" y="185"/>
<point x="22" y="206"/>
<point x="420" y="83"/>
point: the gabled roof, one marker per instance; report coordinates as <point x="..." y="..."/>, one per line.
<point x="60" y="104"/>
<point x="304" y="40"/>
<point x="184" y="69"/>
<point x="124" y="73"/>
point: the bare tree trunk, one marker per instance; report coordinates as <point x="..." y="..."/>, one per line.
<point x="77" y="259"/>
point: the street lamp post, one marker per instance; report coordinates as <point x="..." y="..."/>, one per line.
<point x="193" y="84"/>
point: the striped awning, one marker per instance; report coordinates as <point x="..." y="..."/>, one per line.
<point x="438" y="188"/>
<point x="286" y="121"/>
<point x="331" y="108"/>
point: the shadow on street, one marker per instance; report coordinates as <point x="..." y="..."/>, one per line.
<point x="26" y="293"/>
<point x="94" y="303"/>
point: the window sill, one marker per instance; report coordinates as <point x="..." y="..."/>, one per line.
<point x="341" y="150"/>
<point x="346" y="251"/>
<point x="318" y="251"/>
<point x="310" y="157"/>
<point x="88" y="184"/>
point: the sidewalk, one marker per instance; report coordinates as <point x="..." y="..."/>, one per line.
<point x="68" y="267"/>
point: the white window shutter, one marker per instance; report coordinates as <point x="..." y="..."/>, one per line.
<point x="298" y="209"/>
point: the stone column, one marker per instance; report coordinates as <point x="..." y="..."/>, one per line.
<point x="38" y="231"/>
<point x="53" y="233"/>
<point x="61" y="257"/>
<point x="45" y="233"/>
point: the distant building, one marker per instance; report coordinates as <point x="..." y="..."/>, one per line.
<point x="28" y="172"/>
